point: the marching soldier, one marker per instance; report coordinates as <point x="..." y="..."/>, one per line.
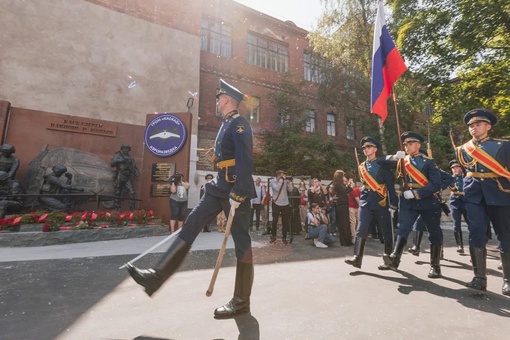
<point x="378" y="186"/>
<point x="457" y="206"/>
<point x="233" y="187"/>
<point x="486" y="194"/>
<point x="419" y="198"/>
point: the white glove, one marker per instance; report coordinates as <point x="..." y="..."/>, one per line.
<point x="408" y="194"/>
<point x="392" y="211"/>
<point x="233" y="206"/>
<point x="400" y="154"/>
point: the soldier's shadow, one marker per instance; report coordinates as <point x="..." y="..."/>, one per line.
<point x="447" y="263"/>
<point x="487" y="302"/>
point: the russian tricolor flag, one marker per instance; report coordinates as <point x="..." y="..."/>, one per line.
<point x="387" y="66"/>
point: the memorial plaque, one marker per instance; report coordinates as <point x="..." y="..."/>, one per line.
<point x="160" y="190"/>
<point x="82" y="125"/>
<point x="161" y="172"/>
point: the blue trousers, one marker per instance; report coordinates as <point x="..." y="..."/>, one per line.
<point x="383" y="218"/>
<point x="431" y="218"/>
<point x="479" y="215"/>
<point x="207" y="209"/>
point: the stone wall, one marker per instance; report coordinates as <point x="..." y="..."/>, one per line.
<point x="79" y="58"/>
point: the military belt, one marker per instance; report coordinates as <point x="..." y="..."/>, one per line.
<point x="414" y="186"/>
<point x="482" y="175"/>
<point x="226" y="163"/>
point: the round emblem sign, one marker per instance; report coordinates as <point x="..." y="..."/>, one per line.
<point x="165" y="135"/>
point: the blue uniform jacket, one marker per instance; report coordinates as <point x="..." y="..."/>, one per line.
<point x="234" y="141"/>
<point x="383" y="175"/>
<point x="425" y="197"/>
<point x="457" y="195"/>
<point x="477" y="189"/>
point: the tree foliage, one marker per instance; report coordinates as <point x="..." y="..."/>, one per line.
<point x="293" y="150"/>
<point x="467" y="40"/>
<point x="458" y="53"/>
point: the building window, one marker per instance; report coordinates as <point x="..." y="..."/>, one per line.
<point x="316" y="68"/>
<point x="331" y="124"/>
<point x="310" y="122"/>
<point x="284" y="119"/>
<point x="252" y="108"/>
<point x="217" y="37"/>
<point x="350" y="130"/>
<point x="267" y="54"/>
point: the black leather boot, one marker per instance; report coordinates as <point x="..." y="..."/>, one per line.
<point x="415" y="249"/>
<point x="459" y="241"/>
<point x="240" y="303"/>
<point x="359" y="248"/>
<point x="435" y="258"/>
<point x="505" y="264"/>
<point x="388" y="248"/>
<point x="393" y="260"/>
<point x="479" y="261"/>
<point x="169" y="262"/>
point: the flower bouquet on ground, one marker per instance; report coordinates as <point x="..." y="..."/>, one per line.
<point x="55" y="221"/>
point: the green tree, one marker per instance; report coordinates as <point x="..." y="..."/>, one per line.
<point x="290" y="147"/>
<point x="467" y="40"/>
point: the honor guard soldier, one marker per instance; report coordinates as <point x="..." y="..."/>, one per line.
<point x="457" y="207"/>
<point x="378" y="186"/>
<point x="419" y="198"/>
<point x="486" y="194"/>
<point x="419" y="227"/>
<point x="233" y="187"/>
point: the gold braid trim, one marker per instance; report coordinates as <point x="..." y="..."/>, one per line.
<point x="236" y="197"/>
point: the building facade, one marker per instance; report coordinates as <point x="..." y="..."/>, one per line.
<point x="117" y="61"/>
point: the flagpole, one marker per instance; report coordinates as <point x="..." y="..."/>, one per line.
<point x="401" y="146"/>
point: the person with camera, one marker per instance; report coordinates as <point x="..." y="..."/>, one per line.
<point x="178" y="200"/>
<point x="281" y="205"/>
<point x="317" y="220"/>
<point x="317" y="192"/>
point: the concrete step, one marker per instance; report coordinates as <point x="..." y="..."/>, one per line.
<point x="38" y="238"/>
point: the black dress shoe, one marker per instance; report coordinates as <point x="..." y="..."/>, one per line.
<point x="233" y="308"/>
<point x="147" y="278"/>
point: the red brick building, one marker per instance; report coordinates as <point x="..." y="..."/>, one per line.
<point x="251" y="51"/>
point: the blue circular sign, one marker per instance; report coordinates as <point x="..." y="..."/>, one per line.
<point x="165" y="135"/>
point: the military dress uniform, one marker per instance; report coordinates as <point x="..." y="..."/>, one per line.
<point x="419" y="227"/>
<point x="423" y="181"/>
<point x="378" y="194"/>
<point x="486" y="197"/>
<point x="457" y="206"/>
<point x="233" y="155"/>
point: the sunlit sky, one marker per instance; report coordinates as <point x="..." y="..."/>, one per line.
<point x="304" y="13"/>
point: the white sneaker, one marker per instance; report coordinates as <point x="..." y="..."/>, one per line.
<point x="315" y="241"/>
<point x="319" y="244"/>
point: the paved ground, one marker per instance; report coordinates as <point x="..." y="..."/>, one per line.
<point x="300" y="292"/>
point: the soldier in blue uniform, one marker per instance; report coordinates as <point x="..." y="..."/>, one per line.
<point x="486" y="194"/>
<point x="419" y="227"/>
<point x="233" y="187"/>
<point x="419" y="198"/>
<point x="377" y="196"/>
<point x="457" y="206"/>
